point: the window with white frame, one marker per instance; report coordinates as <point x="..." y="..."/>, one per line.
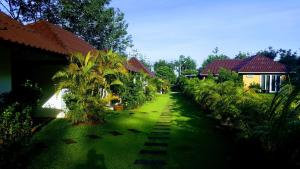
<point x="270" y="82"/>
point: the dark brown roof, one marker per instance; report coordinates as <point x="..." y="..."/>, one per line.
<point x="135" y="65"/>
<point x="216" y="65"/>
<point x="262" y="64"/>
<point x="254" y="64"/>
<point x="42" y="35"/>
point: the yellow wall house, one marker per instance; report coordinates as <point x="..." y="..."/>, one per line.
<point x="254" y="70"/>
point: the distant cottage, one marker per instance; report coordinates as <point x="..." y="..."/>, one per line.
<point x="254" y="70"/>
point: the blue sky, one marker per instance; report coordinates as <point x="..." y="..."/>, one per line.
<point x="165" y="29"/>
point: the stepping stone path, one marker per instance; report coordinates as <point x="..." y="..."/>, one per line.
<point x="115" y="133"/>
<point x="154" y="153"/>
<point x="69" y="141"/>
<point x="93" y="136"/>
<point x="134" y="130"/>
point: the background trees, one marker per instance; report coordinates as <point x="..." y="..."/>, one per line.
<point x="214" y="56"/>
<point x="102" y="26"/>
<point x="165" y="70"/>
<point x="185" y="65"/>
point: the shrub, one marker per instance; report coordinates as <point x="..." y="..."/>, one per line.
<point x="88" y="80"/>
<point x="15" y="131"/>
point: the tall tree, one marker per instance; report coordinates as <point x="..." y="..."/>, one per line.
<point x="185" y="65"/>
<point x="270" y="53"/>
<point x="242" y="55"/>
<point x="290" y="59"/>
<point x="165" y="70"/>
<point x="214" y="56"/>
<point x="102" y="26"/>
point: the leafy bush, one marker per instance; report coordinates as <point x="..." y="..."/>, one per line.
<point x="133" y="94"/>
<point x="88" y="80"/>
<point x="255" y="86"/>
<point x="15" y="123"/>
<point x="15" y="130"/>
<point x="274" y="123"/>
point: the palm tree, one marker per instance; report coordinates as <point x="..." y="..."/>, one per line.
<point x="88" y="79"/>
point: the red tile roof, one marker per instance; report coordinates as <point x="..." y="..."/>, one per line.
<point x="254" y="64"/>
<point x="42" y="35"/>
<point x="13" y="31"/>
<point x="262" y="64"/>
<point x="135" y="65"/>
<point x="215" y="66"/>
<point x="69" y="41"/>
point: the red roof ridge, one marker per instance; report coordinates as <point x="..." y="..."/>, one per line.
<point x="70" y="42"/>
<point x="49" y="26"/>
<point x="133" y="61"/>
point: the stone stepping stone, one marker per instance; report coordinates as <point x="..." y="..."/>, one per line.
<point x="158" y="138"/>
<point x="164" y="129"/>
<point x="156" y="144"/>
<point x="134" y="130"/>
<point x="93" y="136"/>
<point x="154" y="152"/>
<point x="164" y="122"/>
<point x="162" y="125"/>
<point x="160" y="133"/>
<point x="69" y="141"/>
<point x="115" y="133"/>
<point x="151" y="162"/>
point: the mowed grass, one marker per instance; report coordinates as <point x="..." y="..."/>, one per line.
<point x="194" y="143"/>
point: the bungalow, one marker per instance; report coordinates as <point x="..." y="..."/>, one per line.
<point x="254" y="70"/>
<point x="134" y="65"/>
<point x="36" y="52"/>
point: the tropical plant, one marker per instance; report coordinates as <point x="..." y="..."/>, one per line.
<point x="88" y="79"/>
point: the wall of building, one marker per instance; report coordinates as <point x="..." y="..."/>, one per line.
<point x="251" y="79"/>
<point x="5" y="69"/>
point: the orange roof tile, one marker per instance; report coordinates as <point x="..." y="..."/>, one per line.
<point x="42" y="35"/>
<point x="69" y="41"/>
<point x="138" y="66"/>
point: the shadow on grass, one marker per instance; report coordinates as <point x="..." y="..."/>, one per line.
<point x="94" y="160"/>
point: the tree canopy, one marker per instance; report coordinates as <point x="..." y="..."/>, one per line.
<point x="242" y="55"/>
<point x="165" y="70"/>
<point x="102" y="26"/>
<point x="214" y="56"/>
<point x="185" y="65"/>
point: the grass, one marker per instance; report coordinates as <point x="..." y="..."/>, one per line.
<point x="194" y="143"/>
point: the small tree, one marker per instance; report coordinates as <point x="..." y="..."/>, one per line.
<point x="88" y="80"/>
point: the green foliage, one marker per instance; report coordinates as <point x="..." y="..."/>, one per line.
<point x="274" y="123"/>
<point x="133" y="94"/>
<point x="227" y="75"/>
<point x="15" y="123"/>
<point x="270" y="53"/>
<point x="88" y="80"/>
<point x="255" y="86"/>
<point x="213" y="57"/>
<point x="242" y="55"/>
<point x="185" y="65"/>
<point x="166" y="73"/>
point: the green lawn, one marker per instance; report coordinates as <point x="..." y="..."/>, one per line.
<point x="193" y="143"/>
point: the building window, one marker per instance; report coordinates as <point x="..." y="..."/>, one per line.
<point x="270" y="83"/>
